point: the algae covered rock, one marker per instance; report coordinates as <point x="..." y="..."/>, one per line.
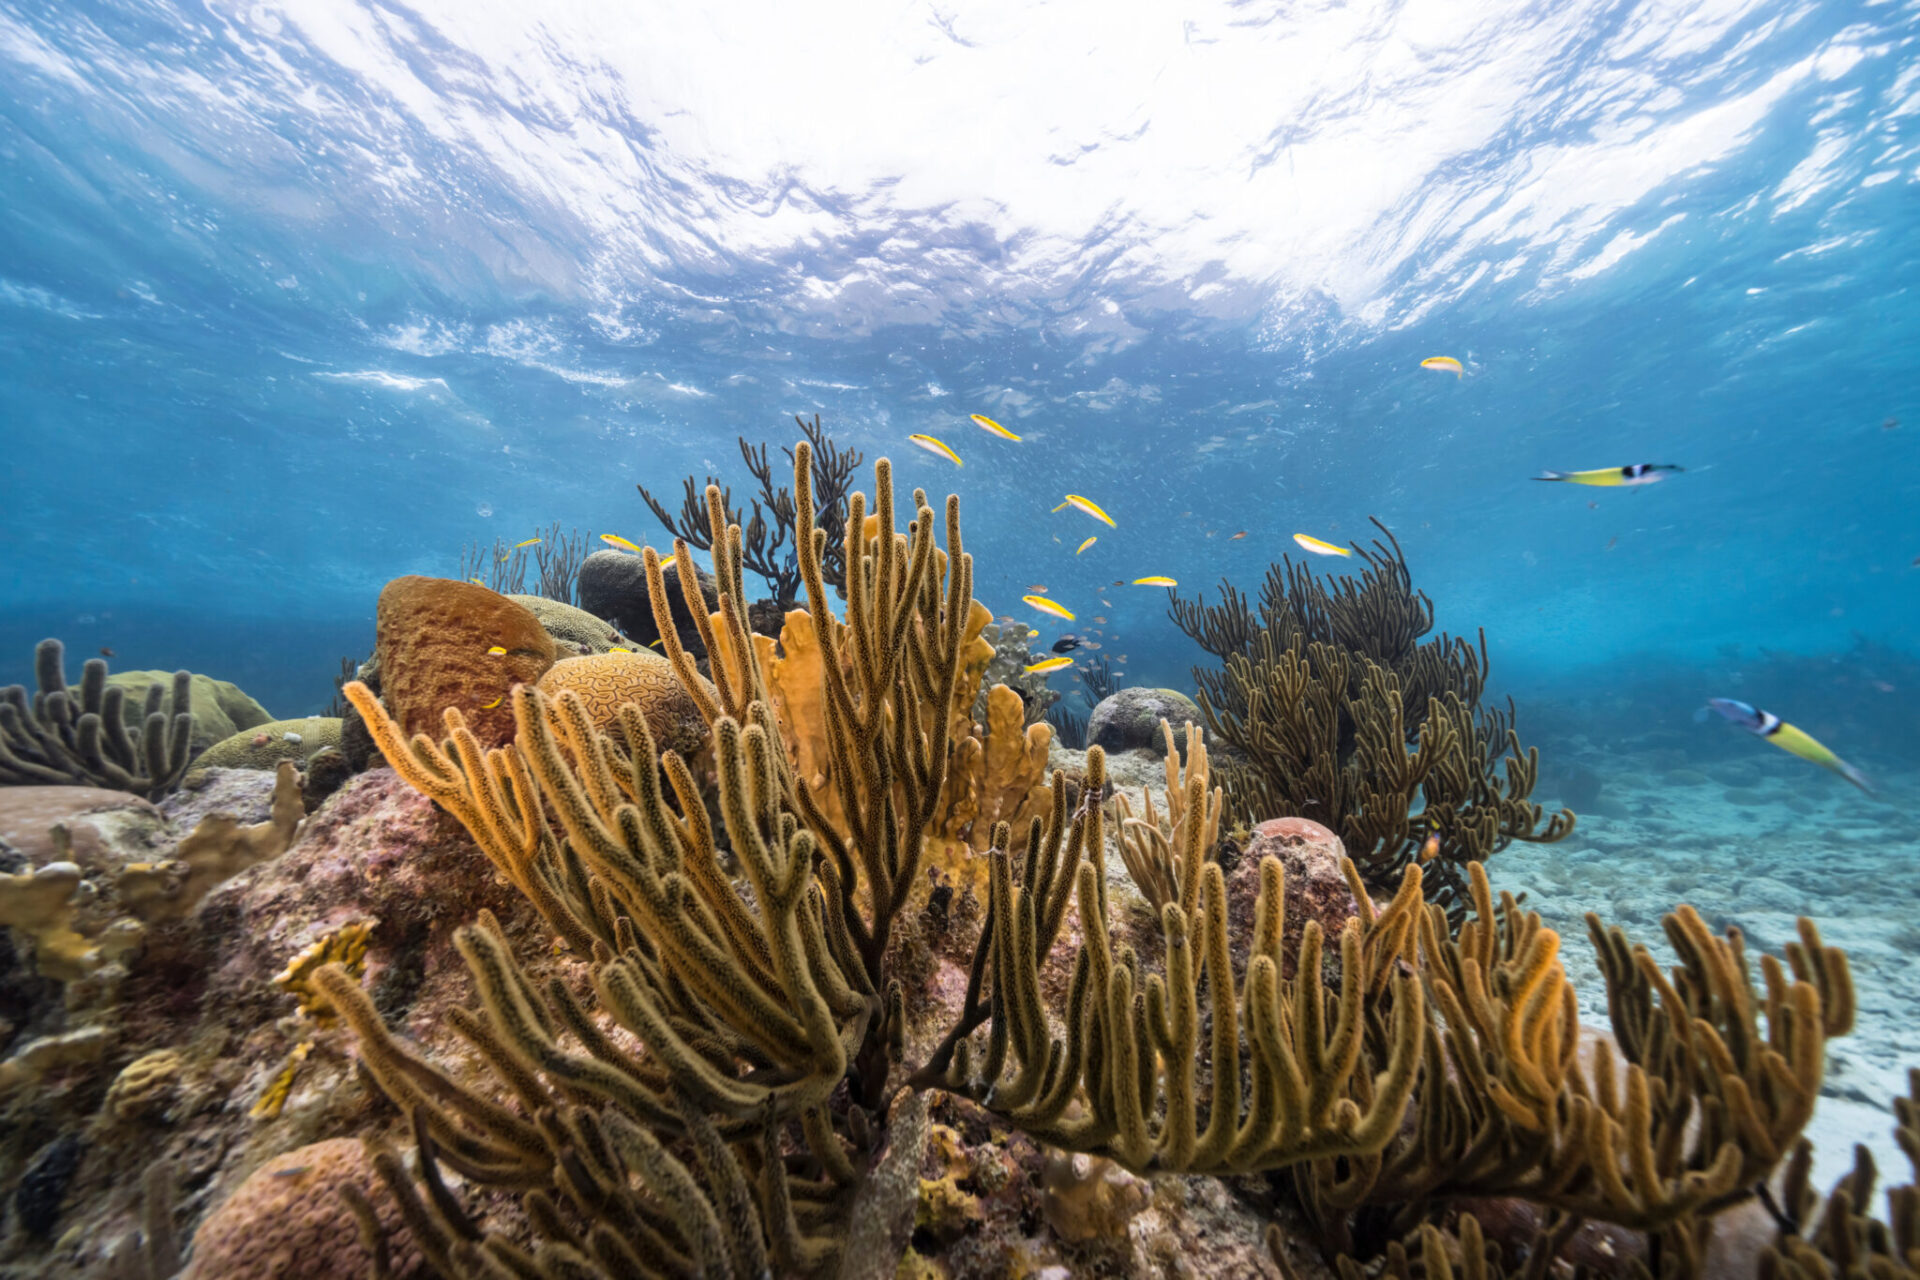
<point x="613" y="585"/>
<point x="220" y="707"/>
<point x="266" y="745"/>
<point x="432" y="639"/>
<point x="606" y="681"/>
<point x="574" y="631"/>
<point x="1130" y="719"/>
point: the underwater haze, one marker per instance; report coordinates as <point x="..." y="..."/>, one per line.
<point x="296" y="298"/>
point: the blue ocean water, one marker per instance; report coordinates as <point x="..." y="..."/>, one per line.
<point x="299" y="297"/>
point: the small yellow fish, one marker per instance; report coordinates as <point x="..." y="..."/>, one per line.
<point x="496" y="702"/>
<point x="1045" y="605"/>
<point x="1236" y="537"/>
<point x="993" y="426"/>
<point x="617" y="649"/>
<point x="1637" y="473"/>
<point x="934" y="446"/>
<point x="478" y="582"/>
<point x="615" y="540"/>
<point x="1444" y="364"/>
<point x="503" y="557"/>
<point x="1050" y="664"/>
<point x="526" y="542"/>
<point x="1087" y="505"/>
<point x="1062" y="507"/>
<point x="1157" y="580"/>
<point x="1083" y="546"/>
<point x="497" y="650"/>
<point x="1310" y="543"/>
<point x="655" y="644"/>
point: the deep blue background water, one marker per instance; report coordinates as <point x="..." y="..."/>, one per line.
<point x="295" y="299"/>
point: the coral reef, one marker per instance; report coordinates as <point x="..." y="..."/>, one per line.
<point x="265" y="746"/>
<point x="80" y="736"/>
<point x="433" y="641"/>
<point x="1340" y="711"/>
<point x="770" y="539"/>
<point x="1012" y="653"/>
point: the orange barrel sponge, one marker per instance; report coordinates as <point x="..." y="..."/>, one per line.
<point x="288" y="1222"/>
<point x="445" y="644"/>
<point x="604" y="681"/>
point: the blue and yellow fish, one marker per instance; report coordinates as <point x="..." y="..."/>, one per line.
<point x="1767" y="725"/>
<point x="1611" y="477"/>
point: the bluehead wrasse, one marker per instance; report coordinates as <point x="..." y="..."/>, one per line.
<point x="478" y="582"/>
<point x="1612" y="477"/>
<point x="1087" y="505"/>
<point x="993" y="426"/>
<point x="655" y="644"/>
<point x="934" y="446"/>
<point x="1444" y="364"/>
<point x="1764" y="724"/>
<point x="496" y="651"/>
<point x="496" y="702"/>
<point x="1048" y="664"/>
<point x="1310" y="543"/>
<point x="617" y="649"/>
<point x="526" y="542"/>
<point x="1045" y="605"/>
<point x="1089" y="542"/>
<point x="1156" y="580"/>
<point x="615" y="540"/>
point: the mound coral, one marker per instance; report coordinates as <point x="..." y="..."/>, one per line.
<point x="433" y="641"/>
<point x="80" y="736"/>
<point x="606" y="682"/>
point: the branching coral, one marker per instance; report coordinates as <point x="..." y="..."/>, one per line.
<point x="1344" y="714"/>
<point x="79" y="737"/>
<point x="771" y="545"/>
<point x="1163" y="857"/>
<point x="1840" y="1237"/>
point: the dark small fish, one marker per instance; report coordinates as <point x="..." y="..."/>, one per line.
<point x="1067" y="643"/>
<point x="1890" y="424"/>
<point x="105" y="652"/>
<point x="1916" y="562"/>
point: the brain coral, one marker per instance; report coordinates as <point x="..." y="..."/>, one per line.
<point x="605" y="681"/>
<point x="265" y="746"/>
<point x="575" y="631"/>
<point x="288" y="1222"/>
<point x="432" y="637"/>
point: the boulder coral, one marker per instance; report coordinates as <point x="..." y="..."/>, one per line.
<point x="292" y="1219"/>
<point x="604" y="682"/>
<point x="575" y="631"/>
<point x="433" y="638"/>
<point x="265" y="746"/>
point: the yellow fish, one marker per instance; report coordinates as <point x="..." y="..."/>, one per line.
<point x="1444" y="364"/>
<point x="1310" y="543"/>
<point x="526" y="542"/>
<point x="993" y="426"/>
<point x="1062" y="507"/>
<point x="497" y="650"/>
<point x="934" y="446"/>
<point x="1045" y="605"/>
<point x="1083" y="546"/>
<point x="1050" y="664"/>
<point x="1087" y="505"/>
<point x="615" y="540"/>
<point x="478" y="582"/>
<point x="1157" y="580"/>
<point x="1611" y="477"/>
<point x="655" y="644"/>
<point x="617" y="649"/>
<point x="496" y="702"/>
